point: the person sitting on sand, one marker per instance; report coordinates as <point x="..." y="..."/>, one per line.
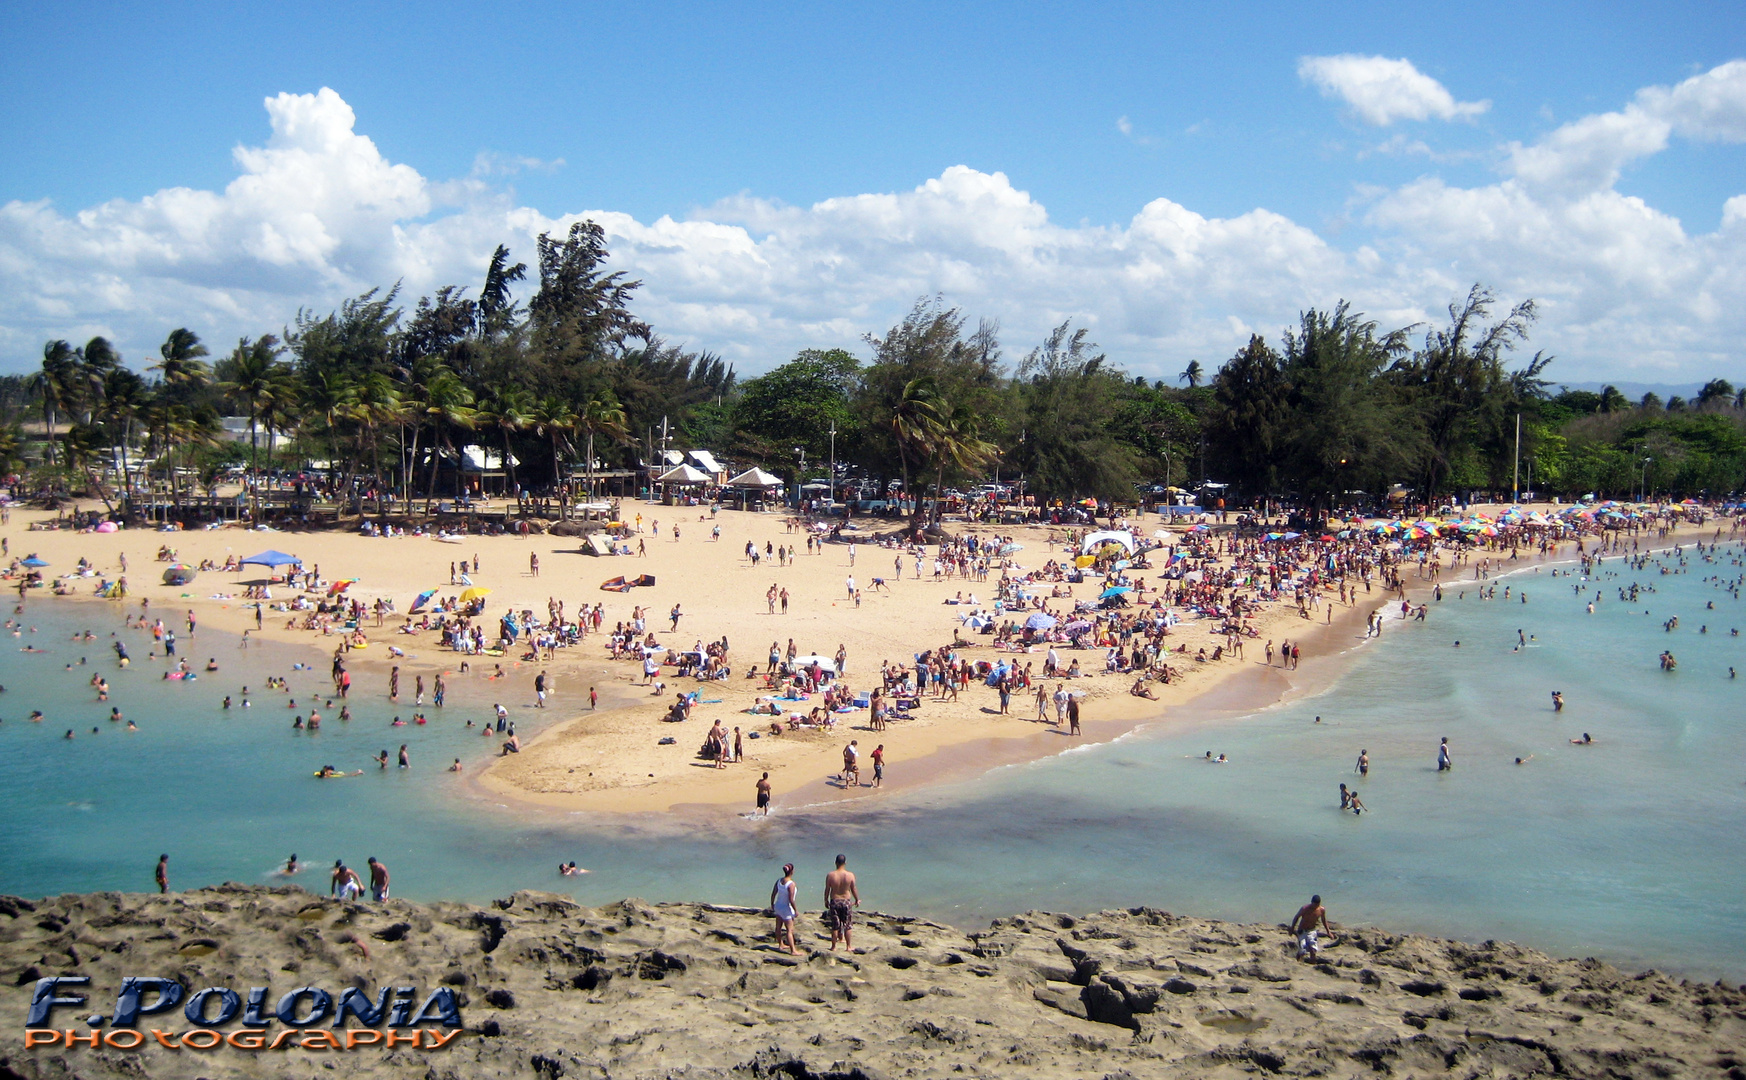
<point x="1140" y="689"/>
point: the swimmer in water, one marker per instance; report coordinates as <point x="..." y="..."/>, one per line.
<point x="1586" y="740"/>
<point x="1557" y="701"/>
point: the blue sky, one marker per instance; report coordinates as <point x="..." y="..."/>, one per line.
<point x="1066" y="125"/>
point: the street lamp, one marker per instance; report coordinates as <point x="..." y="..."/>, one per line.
<point x="1643" y="488"/>
<point x="832" y="497"/>
<point x="800" y="477"/>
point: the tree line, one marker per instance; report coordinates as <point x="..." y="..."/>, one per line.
<point x="1336" y="411"/>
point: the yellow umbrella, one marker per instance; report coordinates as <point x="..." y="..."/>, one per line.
<point x="475" y="593"/>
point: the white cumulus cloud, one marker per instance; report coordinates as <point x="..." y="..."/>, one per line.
<point x="1382" y="91"/>
<point x="1588" y="155"/>
<point x="317" y="214"/>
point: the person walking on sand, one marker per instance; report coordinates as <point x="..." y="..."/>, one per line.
<point x="379" y="879"/>
<point x="851" y="764"/>
<point x="783" y="896"/>
<point x="764" y="796"/>
<point x="842" y="897"/>
<point x="1445" y="762"/>
<point x="1073" y="715"/>
<point x="1304" y="925"/>
<point x="163" y="873"/>
<point x="879" y="765"/>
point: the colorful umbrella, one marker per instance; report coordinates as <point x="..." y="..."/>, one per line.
<point x="475" y="593"/>
<point x="341" y="585"/>
<point x="423" y="599"/>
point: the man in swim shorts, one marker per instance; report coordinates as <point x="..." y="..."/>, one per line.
<point x="1304" y="924"/>
<point x="378" y="880"/>
<point x="841" y="900"/>
<point x="764" y="795"/>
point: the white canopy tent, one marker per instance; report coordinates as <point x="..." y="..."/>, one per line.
<point x="682" y="476"/>
<point x="1108" y="536"/>
<point x="755" y="478"/>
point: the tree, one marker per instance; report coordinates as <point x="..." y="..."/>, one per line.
<point x="181" y="364"/>
<point x="1611" y="400"/>
<point x="124" y="398"/>
<point x="581" y="312"/>
<point x="1250" y="417"/>
<point x="508" y="412"/>
<point x="553" y="419"/>
<point x="1192" y="374"/>
<point x="252" y="377"/>
<point x="601" y="415"/>
<point x="497" y="309"/>
<point x="914" y="421"/>
<point x="1456" y="382"/>
<point x="1715" y="392"/>
<point x="1070" y="399"/>
<point x="801" y="401"/>
<point x="56" y="382"/>
<point x="956" y="442"/>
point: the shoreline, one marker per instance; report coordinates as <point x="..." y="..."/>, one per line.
<point x="950" y="743"/>
<point x="1135" y="991"/>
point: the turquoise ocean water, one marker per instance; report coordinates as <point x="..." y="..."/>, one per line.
<point x="1631" y="849"/>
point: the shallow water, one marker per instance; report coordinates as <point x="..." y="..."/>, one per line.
<point x="1629" y="849"/>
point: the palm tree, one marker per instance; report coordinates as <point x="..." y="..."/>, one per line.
<point x="553" y="418"/>
<point x="123" y="398"/>
<point x="376" y="402"/>
<point x="602" y="415"/>
<point x="56" y="384"/>
<point x="11" y="450"/>
<point x="331" y="395"/>
<point x="254" y="378"/>
<point x="507" y="412"/>
<point x="181" y="362"/>
<point x="1193" y="374"/>
<point x="448" y="405"/>
<point x="914" y="419"/>
<point x="957" y="442"/>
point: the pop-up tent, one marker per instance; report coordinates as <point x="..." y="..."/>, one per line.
<point x="272" y="559"/>
<point x="598" y="544"/>
<point x="1108" y="536"/>
<point x="755" y="478"/>
<point x="684" y="475"/>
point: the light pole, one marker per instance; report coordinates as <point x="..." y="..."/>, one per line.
<point x="833" y="477"/>
<point x="1643" y="488"/>
<point x="800" y="477"/>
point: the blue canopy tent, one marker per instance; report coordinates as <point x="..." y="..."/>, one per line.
<point x="272" y="559"/>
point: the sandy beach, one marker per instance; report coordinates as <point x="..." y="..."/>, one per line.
<point x="549" y="988"/>
<point x="609" y="758"/>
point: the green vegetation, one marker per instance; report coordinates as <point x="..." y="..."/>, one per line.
<point x="385" y="396"/>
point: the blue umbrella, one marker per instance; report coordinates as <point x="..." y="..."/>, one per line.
<point x="1040" y="621"/>
<point x="423" y="598"/>
<point x="1115" y="590"/>
<point x="34" y="562"/>
<point x="272" y="558"/>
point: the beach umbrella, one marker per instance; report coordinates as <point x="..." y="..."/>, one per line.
<point x="1040" y="621"/>
<point x="1077" y="626"/>
<point x="423" y="599"/>
<point x="107" y="527"/>
<point x="475" y="593"/>
<point x="1115" y="590"/>
<point x="33" y="562"/>
<point x="341" y="585"/>
<point x="272" y="559"/>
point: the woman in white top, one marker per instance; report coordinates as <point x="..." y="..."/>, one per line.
<point x="782" y="905"/>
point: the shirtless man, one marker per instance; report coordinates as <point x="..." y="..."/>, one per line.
<point x="841" y="900"/>
<point x="344" y="881"/>
<point x="378" y="880"/>
<point x="851" y="764"/>
<point x="764" y="795"/>
<point x="1304" y="924"/>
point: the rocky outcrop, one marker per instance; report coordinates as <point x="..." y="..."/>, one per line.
<point x="550" y="990"/>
